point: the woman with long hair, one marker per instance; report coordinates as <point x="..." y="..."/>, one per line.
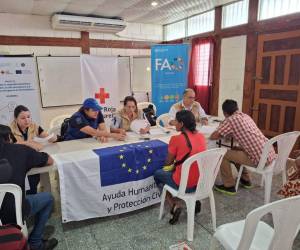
<point x="124" y="117"/>
<point x="24" y="130"/>
<point x="181" y="147"/>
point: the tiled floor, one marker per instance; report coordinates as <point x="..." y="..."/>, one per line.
<point x="142" y="229"/>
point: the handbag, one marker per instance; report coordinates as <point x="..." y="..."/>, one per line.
<point x="176" y="163"/>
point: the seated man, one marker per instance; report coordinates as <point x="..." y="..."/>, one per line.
<point x="188" y="103"/>
<point x="251" y="142"/>
<point x="21" y="159"/>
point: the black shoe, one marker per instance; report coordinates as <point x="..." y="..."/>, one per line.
<point x="172" y="210"/>
<point x="50" y="244"/>
<point x="198" y="207"/>
<point x="246" y="184"/>
<point x="225" y="190"/>
<point x="176" y="215"/>
<point x="48" y="232"/>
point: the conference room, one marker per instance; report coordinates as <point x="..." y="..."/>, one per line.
<point x="140" y="124"/>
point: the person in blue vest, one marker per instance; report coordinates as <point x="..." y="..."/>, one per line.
<point x="87" y="122"/>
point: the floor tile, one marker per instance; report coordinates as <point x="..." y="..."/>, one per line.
<point x="142" y="230"/>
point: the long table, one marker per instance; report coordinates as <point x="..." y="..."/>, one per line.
<point x="81" y="150"/>
<point x="91" y="143"/>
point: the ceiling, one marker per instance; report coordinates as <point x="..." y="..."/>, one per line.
<point x="141" y="11"/>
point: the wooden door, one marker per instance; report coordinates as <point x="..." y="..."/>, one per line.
<point x="276" y="107"/>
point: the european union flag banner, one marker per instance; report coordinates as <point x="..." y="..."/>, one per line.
<point x="130" y="162"/>
<point x="169" y="72"/>
<point x="110" y="180"/>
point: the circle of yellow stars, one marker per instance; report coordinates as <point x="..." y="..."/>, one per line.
<point x="130" y="170"/>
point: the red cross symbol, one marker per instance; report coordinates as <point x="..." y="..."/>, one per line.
<point x="102" y="95"/>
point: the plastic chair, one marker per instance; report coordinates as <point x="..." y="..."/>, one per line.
<point x="142" y="105"/>
<point x="163" y="121"/>
<point x="141" y="96"/>
<point x="285" y="143"/>
<point x="209" y="164"/>
<point x="55" y="124"/>
<point x="16" y="191"/>
<point x="254" y="234"/>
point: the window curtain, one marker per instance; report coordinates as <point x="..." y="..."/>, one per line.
<point x="200" y="70"/>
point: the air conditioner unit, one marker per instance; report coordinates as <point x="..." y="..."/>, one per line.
<point x="82" y="23"/>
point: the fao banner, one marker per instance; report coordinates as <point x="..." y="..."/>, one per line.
<point x="169" y="72"/>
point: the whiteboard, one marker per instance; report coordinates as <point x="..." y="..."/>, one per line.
<point x="60" y="80"/>
<point x="141" y="81"/>
<point x="124" y="77"/>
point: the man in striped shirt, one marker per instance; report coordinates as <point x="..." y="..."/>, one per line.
<point x="250" y="139"/>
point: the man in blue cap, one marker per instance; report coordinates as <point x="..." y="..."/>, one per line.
<point x="88" y="122"/>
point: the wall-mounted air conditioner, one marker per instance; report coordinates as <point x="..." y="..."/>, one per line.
<point x="82" y="23"/>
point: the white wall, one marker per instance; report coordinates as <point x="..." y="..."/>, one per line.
<point x="33" y="25"/>
<point x="232" y="68"/>
<point x="39" y="26"/>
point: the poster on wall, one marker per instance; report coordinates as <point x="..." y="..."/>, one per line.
<point x="169" y="72"/>
<point x="18" y="86"/>
<point x="100" y="81"/>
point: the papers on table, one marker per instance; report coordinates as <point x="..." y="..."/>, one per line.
<point x="207" y="129"/>
<point x="157" y="131"/>
<point x="44" y="140"/>
<point x="131" y="136"/>
<point x="137" y="125"/>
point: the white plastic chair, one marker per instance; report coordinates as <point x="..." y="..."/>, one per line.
<point x="55" y="124"/>
<point x="142" y="105"/>
<point x="285" y="143"/>
<point x="16" y="191"/>
<point x="254" y="234"/>
<point x="141" y="96"/>
<point x="163" y="121"/>
<point x="209" y="164"/>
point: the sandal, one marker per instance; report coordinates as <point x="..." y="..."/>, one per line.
<point x="198" y="207"/>
<point x="176" y="215"/>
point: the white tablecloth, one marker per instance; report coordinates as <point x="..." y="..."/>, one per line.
<point x="81" y="194"/>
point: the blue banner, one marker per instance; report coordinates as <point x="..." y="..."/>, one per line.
<point x="169" y="72"/>
<point x="131" y="162"/>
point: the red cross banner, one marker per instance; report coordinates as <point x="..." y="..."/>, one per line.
<point x="100" y="81"/>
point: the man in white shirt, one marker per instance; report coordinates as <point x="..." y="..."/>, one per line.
<point x="188" y="103"/>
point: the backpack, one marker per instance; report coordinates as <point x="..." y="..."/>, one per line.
<point x="63" y="129"/>
<point x="11" y="238"/>
<point x="149" y="114"/>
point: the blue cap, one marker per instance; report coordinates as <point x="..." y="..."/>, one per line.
<point x="91" y="103"/>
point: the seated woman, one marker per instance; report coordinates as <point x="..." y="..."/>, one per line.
<point x="182" y="146"/>
<point x="124" y="117"/>
<point x="87" y="122"/>
<point x="24" y="131"/>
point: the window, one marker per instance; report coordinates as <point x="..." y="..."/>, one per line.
<point x="274" y="8"/>
<point x="174" y="31"/>
<point x="235" y="14"/>
<point x="202" y="51"/>
<point x="201" y="23"/>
